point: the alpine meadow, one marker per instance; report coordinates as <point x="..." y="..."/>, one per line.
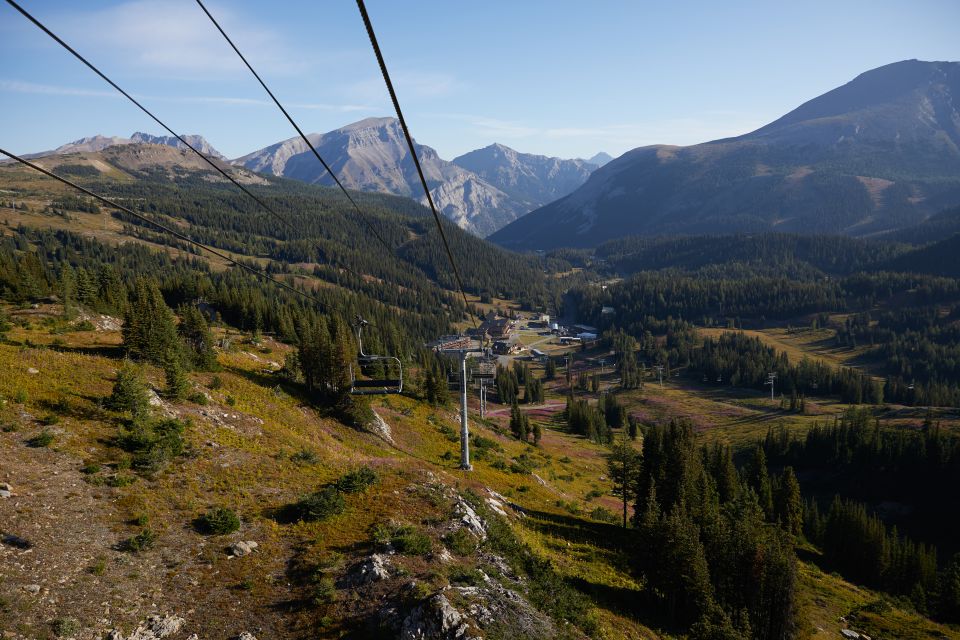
<point x="669" y="347"/>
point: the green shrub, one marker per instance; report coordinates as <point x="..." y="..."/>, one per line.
<point x="356" y="481"/>
<point x="324" y="589"/>
<point x="141" y="542"/>
<point x="604" y="515"/>
<point x="198" y="398"/>
<point x="99" y="566"/>
<point x="50" y="419"/>
<point x="306" y="456"/>
<point x="42" y="439"/>
<point x="410" y="541"/>
<point x="20" y="396"/>
<point x="461" y="542"/>
<point x="66" y="627"/>
<point x="465" y="576"/>
<point x="231" y="401"/>
<point x="218" y="521"/>
<point x="593" y="493"/>
<point x="120" y="480"/>
<point x="320" y="505"/>
<point x="216" y="382"/>
<point x="154" y="443"/>
<point x="90" y="468"/>
<point x="83" y="325"/>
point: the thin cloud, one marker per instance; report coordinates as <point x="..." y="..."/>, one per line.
<point x="176" y="38"/>
<point x="16" y="86"/>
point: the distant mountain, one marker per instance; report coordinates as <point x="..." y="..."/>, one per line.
<point x="530" y="179"/>
<point x="197" y="142"/>
<point x="372" y="155"/>
<point x="138" y="159"/>
<point x="600" y="159"/>
<point x="99" y="143"/>
<point x="879" y="153"/>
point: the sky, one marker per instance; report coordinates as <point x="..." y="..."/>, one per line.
<point x="552" y="77"/>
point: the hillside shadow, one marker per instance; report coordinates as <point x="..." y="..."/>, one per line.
<point x="271" y="382"/>
<point x="114" y="352"/>
<point x="578" y="530"/>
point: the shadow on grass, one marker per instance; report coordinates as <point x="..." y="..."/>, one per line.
<point x="114" y="352"/>
<point x="574" y="529"/>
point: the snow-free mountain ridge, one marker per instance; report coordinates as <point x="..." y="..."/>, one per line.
<point x="880" y="153"/>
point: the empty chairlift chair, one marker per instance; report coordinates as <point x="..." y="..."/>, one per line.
<point x="374" y="375"/>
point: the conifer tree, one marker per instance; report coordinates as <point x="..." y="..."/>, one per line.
<point x="129" y="391"/>
<point x="196" y="335"/>
<point x="623" y="463"/>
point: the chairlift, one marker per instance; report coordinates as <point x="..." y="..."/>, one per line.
<point x="382" y="375"/>
<point x="719" y="378"/>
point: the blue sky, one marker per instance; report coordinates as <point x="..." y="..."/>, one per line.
<point x="551" y="77"/>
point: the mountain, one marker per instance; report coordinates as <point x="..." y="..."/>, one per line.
<point x="530" y="179"/>
<point x="197" y="142"/>
<point x="372" y="155"/>
<point x="140" y="160"/>
<point x="879" y="153"/>
<point x="100" y="142"/>
<point x="600" y="159"/>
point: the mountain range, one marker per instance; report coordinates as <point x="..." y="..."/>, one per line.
<point x="480" y="191"/>
<point x="880" y="153"/>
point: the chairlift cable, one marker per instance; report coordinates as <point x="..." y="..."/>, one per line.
<point x="298" y="129"/>
<point x="413" y="151"/>
<point x="174" y="232"/>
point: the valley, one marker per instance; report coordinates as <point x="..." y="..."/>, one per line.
<point x="338" y="385"/>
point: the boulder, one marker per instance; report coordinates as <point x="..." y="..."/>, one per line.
<point x="242" y="548"/>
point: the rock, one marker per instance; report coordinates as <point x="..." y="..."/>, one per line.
<point x="379" y="427"/>
<point x="374" y="569"/>
<point x="243" y="548"/>
<point x="849" y="633"/>
<point x="32" y="588"/>
<point x="435" y="619"/>
<point x="153" y="628"/>
<point x="33" y="371"/>
<point x="470" y="519"/>
<point x="246" y="635"/>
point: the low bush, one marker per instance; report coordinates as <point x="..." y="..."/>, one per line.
<point x="218" y="521"/>
<point x="42" y="439"/>
<point x="410" y="541"/>
<point x="66" y="627"/>
<point x="320" y="505"/>
<point x="141" y="542"/>
<point x="356" y="481"/>
<point x="461" y="542"/>
<point x="603" y="514"/>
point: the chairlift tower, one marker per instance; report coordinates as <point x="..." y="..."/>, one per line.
<point x="771" y="378"/>
<point x="659" y="370"/>
<point x="463" y="354"/>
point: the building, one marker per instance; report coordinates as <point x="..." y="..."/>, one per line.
<point x="451" y="342"/>
<point x="497" y="328"/>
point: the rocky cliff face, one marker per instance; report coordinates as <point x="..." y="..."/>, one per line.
<point x="530" y="179"/>
<point x="372" y="155"/>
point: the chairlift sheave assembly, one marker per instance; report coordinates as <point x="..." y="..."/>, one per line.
<point x="381" y="375"/>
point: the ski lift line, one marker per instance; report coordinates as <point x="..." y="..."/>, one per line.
<point x="129" y="97"/>
<point x="290" y="119"/>
<point x="156" y="119"/>
<point x="413" y="152"/>
<point x="163" y="227"/>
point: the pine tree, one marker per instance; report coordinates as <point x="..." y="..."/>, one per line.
<point x="759" y="480"/>
<point x="622" y="466"/>
<point x="196" y="335"/>
<point x="550" y="369"/>
<point x="177" y="383"/>
<point x="537" y="433"/>
<point x="149" y="330"/>
<point x="789" y="503"/>
<point x="129" y="391"/>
